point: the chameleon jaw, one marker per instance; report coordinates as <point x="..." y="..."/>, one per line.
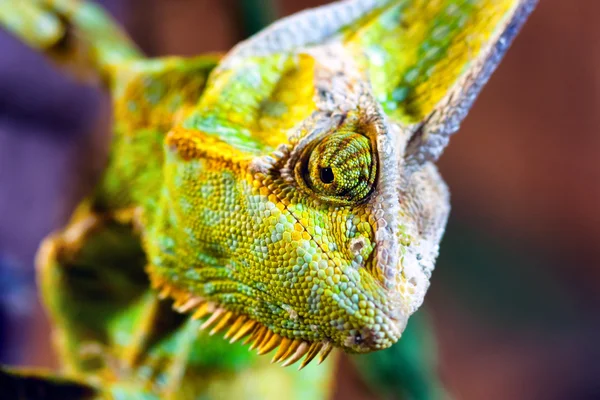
<point x="240" y="326"/>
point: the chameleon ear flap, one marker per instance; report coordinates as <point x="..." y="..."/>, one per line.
<point x="426" y="60"/>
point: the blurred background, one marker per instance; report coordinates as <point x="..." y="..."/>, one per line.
<point x="515" y="297"/>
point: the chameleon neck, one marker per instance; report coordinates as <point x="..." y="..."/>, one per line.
<point x="146" y="94"/>
<point x="133" y="176"/>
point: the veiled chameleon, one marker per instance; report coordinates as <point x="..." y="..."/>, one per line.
<point x="284" y="194"/>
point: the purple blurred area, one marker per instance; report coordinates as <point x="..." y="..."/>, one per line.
<point x="53" y="136"/>
<point x="516" y="293"/>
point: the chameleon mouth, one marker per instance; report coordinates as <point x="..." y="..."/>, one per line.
<point x="239" y="326"/>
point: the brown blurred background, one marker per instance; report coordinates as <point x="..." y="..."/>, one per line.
<point x="516" y="291"/>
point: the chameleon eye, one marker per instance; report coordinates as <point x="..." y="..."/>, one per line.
<point x="327" y="175"/>
<point x="341" y="167"/>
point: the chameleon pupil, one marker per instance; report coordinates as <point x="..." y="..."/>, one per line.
<point x="326" y="175"/>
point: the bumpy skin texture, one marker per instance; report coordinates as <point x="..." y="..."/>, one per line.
<point x="285" y="192"/>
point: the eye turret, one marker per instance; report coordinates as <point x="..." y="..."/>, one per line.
<point x="340" y="167"/>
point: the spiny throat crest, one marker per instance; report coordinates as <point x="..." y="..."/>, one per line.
<point x="239" y="327"/>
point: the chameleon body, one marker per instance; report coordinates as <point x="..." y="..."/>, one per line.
<point x="284" y="194"/>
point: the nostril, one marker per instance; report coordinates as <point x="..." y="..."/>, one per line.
<point x="358" y="339"/>
<point x="357" y="245"/>
<point x="362" y="341"/>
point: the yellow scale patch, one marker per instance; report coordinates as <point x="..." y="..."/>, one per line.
<point x="252" y="106"/>
<point x="465" y="46"/>
<point x="294" y="94"/>
<point x="415" y="51"/>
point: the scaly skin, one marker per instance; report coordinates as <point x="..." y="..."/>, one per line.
<point x="285" y="192"/>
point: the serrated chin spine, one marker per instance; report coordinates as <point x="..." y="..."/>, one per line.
<point x="258" y="336"/>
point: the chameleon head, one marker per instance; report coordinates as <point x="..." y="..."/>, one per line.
<point x="301" y="206"/>
<point x="327" y="240"/>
